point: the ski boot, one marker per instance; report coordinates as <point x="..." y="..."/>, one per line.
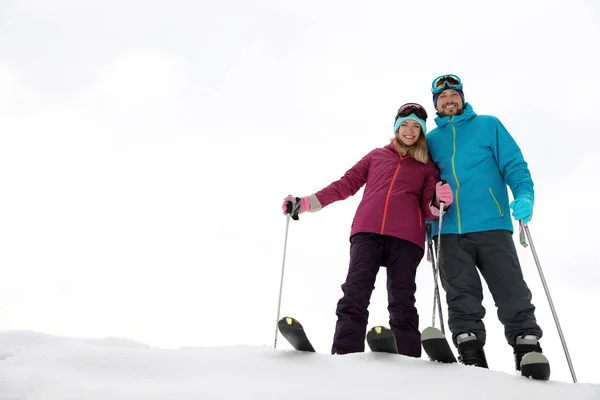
<point x="529" y="358"/>
<point x="470" y="350"/>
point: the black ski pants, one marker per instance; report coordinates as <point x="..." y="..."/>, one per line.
<point x="369" y="251"/>
<point x="493" y="253"/>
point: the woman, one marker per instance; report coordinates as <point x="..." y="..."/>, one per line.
<point x="402" y="190"/>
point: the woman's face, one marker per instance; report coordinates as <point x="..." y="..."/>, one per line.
<point x="409" y="132"/>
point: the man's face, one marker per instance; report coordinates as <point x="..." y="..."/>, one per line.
<point x="449" y="103"/>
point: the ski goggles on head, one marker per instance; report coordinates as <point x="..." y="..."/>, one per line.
<point x="444" y="82"/>
<point x="411" y="108"/>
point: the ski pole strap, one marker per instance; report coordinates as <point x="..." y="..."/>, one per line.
<point x="522" y="237"/>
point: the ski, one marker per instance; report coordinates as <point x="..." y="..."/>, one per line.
<point x="436" y="346"/>
<point x="294" y="333"/>
<point x="381" y="340"/>
<point x="535" y="366"/>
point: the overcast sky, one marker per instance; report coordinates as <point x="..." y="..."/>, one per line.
<point x="146" y="147"/>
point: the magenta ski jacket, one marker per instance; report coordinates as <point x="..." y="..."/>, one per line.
<point x="397" y="197"/>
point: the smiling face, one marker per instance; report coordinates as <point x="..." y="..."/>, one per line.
<point x="449" y="103"/>
<point x="409" y="131"/>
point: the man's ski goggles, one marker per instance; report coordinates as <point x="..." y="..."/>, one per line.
<point x="412" y="108"/>
<point x="444" y="82"/>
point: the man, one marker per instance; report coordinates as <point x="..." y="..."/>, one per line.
<point x="479" y="158"/>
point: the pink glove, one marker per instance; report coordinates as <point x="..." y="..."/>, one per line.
<point x="443" y="193"/>
<point x="299" y="205"/>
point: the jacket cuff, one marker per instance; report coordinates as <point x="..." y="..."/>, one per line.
<point x="315" y="204"/>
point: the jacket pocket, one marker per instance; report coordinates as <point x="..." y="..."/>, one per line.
<point x="497" y="203"/>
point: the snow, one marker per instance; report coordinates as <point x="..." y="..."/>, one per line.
<point x="36" y="366"/>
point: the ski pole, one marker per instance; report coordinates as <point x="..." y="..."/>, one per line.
<point x="287" y="228"/>
<point x="436" y="292"/>
<point x="437" y="256"/>
<point x="524" y="227"/>
<point x="431" y="259"/>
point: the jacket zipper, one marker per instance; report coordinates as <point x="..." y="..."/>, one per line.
<point x="497" y="203"/>
<point x="456" y="202"/>
<point x="387" y="199"/>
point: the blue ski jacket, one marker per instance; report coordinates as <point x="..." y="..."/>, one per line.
<point x="478" y="158"/>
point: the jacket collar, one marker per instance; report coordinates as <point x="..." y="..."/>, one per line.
<point x="391" y="146"/>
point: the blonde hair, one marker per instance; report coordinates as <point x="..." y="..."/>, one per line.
<point x="418" y="151"/>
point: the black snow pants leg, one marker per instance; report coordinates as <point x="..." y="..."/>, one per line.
<point x="368" y="251"/>
<point x="494" y="254"/>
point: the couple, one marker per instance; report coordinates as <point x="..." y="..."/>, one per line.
<point x="478" y="158"/>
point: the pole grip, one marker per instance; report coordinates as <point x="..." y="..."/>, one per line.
<point x="290" y="207"/>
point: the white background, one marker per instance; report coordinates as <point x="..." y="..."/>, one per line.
<point x="146" y="147"/>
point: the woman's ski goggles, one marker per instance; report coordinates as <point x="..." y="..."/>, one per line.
<point x="444" y="82"/>
<point x="412" y="108"/>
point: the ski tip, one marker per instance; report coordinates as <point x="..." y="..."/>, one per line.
<point x="381" y="340"/>
<point x="431" y="333"/>
<point x="535" y="366"/>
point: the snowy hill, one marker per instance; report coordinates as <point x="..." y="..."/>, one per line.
<point x="36" y="366"/>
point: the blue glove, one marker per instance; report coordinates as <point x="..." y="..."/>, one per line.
<point x="522" y="208"/>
